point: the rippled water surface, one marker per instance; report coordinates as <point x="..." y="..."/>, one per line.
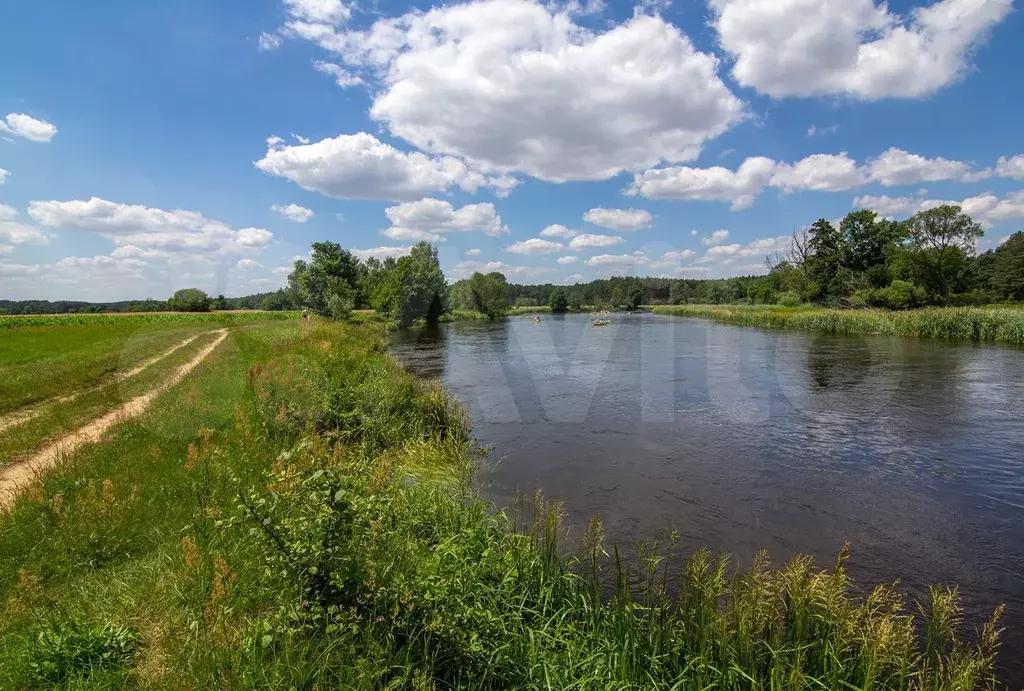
<point x="910" y="450"/>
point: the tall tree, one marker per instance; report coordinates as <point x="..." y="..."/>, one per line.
<point x="1007" y="271"/>
<point x="559" y="300"/>
<point x="867" y="239"/>
<point x="826" y="246"/>
<point x="942" y="242"/>
<point x="490" y="294"/>
<point x="189" y="300"/>
<point x="414" y="288"/>
<point x="330" y="271"/>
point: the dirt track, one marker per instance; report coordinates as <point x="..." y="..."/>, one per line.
<point x="19" y="417"/>
<point x="15" y="477"/>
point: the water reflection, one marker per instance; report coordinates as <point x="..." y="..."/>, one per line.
<point x="912" y="450"/>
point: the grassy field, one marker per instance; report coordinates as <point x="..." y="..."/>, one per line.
<point x="1000" y="324"/>
<point x="298" y="513"/>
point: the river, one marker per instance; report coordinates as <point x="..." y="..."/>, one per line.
<point x="911" y="450"/>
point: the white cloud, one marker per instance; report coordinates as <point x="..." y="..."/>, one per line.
<point x="383" y="252"/>
<point x="558" y="231"/>
<point x="473" y="252"/>
<point x="716" y="238"/>
<point x="617" y="260"/>
<point x="274" y="141"/>
<point x="889" y="207"/>
<point x="694" y="232"/>
<point x="177" y="232"/>
<point x="819" y="172"/>
<point x="359" y="166"/>
<point x="898" y="167"/>
<point x="269" y="41"/>
<point x="294" y="212"/>
<point x="730" y="255"/>
<point x="3" y="176"/>
<point x="300" y="139"/>
<point x="27" y="127"/>
<point x="282" y="270"/>
<point x="7" y="212"/>
<point x="573" y="278"/>
<point x="706" y="184"/>
<point x="815" y="131"/>
<point x="619" y="219"/>
<point x="342" y="77"/>
<point x="852" y="47"/>
<point x="465" y="269"/>
<point x="318" y="12"/>
<point x="588" y="241"/>
<point x="14" y="233"/>
<point x="248" y="264"/>
<point x="986" y="208"/>
<point x="1005" y="167"/>
<point x="429" y="219"/>
<point x="568" y="259"/>
<point x="534" y="246"/>
<point x="490" y="82"/>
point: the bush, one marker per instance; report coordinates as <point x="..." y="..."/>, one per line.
<point x="789" y="300"/>
<point x="524" y="301"/>
<point x="900" y="295"/>
<point x="340" y="305"/>
<point x="73" y="650"/>
<point x="971" y="298"/>
<point x="559" y="300"/>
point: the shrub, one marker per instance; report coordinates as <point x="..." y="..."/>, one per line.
<point x="559" y="300"/>
<point x="789" y="299"/>
<point x="340" y="306"/>
<point x="900" y="295"/>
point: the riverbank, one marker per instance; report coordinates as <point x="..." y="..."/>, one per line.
<point x="321" y="530"/>
<point x="1003" y="325"/>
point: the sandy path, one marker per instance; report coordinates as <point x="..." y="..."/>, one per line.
<point x="15" y="477"/>
<point x="21" y="417"/>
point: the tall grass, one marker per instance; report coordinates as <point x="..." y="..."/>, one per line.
<point x="1004" y="325"/>
<point x="321" y="531"/>
<point x="134" y="318"/>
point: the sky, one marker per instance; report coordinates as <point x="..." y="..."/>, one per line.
<point x="151" y="146"/>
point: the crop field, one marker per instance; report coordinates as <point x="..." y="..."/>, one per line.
<point x="293" y="510"/>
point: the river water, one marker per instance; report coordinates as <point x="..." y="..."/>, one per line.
<point x="912" y="450"/>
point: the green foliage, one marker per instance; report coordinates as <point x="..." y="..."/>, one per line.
<point x="789" y="299"/>
<point x="330" y="271"/>
<point x="341" y="303"/>
<point x="526" y="301"/>
<point x="62" y="320"/>
<point x="412" y="288"/>
<point x="189" y="300"/>
<point x="489" y="294"/>
<point x="941" y="245"/>
<point x="1002" y="269"/>
<point x="900" y="295"/>
<point x="278" y="300"/>
<point x="559" y="301"/>
<point x="72" y="650"/>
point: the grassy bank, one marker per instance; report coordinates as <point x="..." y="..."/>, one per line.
<point x="298" y="514"/>
<point x="227" y="318"/>
<point x="1003" y="325"/>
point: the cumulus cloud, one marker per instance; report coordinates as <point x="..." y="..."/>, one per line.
<point x="430" y="219"/>
<point x="269" y="41"/>
<point x="819" y="172"/>
<point x="1005" y="167"/>
<point x="592" y="241"/>
<point x="898" y="167"/>
<point x="534" y="246"/>
<point x="342" y="77"/>
<point x="359" y="166"/>
<point x="186" y="233"/>
<point x="888" y="206"/>
<point x="745" y="255"/>
<point x="465" y="269"/>
<point x="558" y="231"/>
<point x="473" y="252"/>
<point x="855" y="47"/>
<point x="986" y="208"/>
<point x="318" y="12"/>
<point x="568" y="259"/>
<point x="488" y="82"/>
<point x="572" y="279"/>
<point x="3" y="176"/>
<point x="716" y="238"/>
<point x="619" y="219"/>
<point x="383" y="252"/>
<point x="294" y="212"/>
<point x="7" y="212"/>
<point x="815" y="131"/>
<point x="248" y="264"/>
<point x="616" y="260"/>
<point x="717" y="183"/>
<point x="14" y="233"/>
<point x="27" y="127"/>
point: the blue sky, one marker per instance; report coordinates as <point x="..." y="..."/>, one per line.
<point x="151" y="146"/>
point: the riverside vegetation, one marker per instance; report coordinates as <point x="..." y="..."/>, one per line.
<point x="300" y="513"/>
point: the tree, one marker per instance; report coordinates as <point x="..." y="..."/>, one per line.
<point x="412" y="288"/>
<point x="826" y="245"/>
<point x="341" y="304"/>
<point x="1003" y="268"/>
<point x="189" y="300"/>
<point x="867" y="239"/>
<point x="330" y="271"/>
<point x="942" y="242"/>
<point x="220" y="303"/>
<point x="559" y="301"/>
<point x="490" y="294"/>
<point x="276" y="301"/>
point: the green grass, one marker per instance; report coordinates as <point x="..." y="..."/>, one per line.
<point x="298" y="513"/>
<point x="135" y="318"/>
<point x="999" y="324"/>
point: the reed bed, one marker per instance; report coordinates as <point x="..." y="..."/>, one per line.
<point x="1002" y="325"/>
